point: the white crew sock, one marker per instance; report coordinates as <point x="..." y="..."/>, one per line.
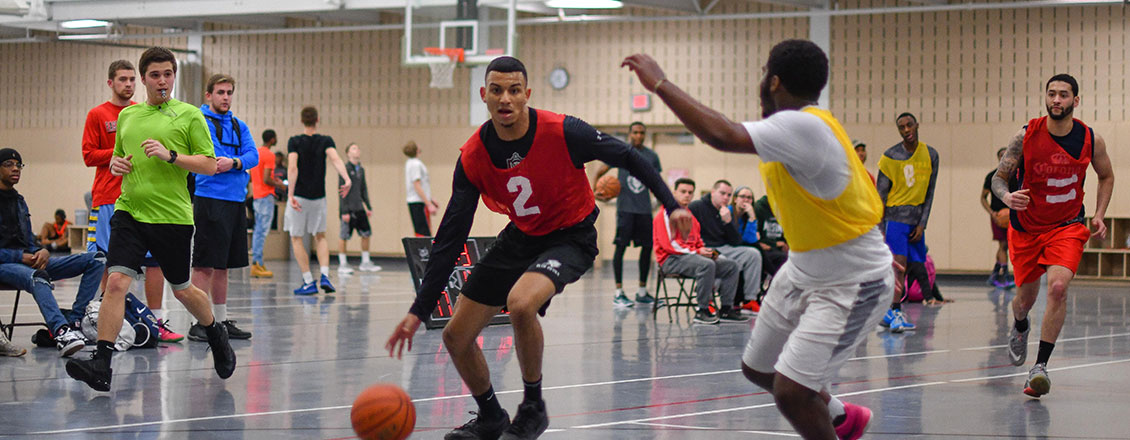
<point x="341" y="260"/>
<point x="642" y="291"/>
<point x="307" y="278"/>
<point x="325" y="271"/>
<point x="158" y="313"/>
<point x="619" y="292"/>
<point x="365" y="257"/>
<point x="220" y="312"/>
<point x="835" y="408"/>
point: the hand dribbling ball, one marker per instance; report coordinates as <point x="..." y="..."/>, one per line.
<point x="607" y="187"/>
<point x="383" y="412"/>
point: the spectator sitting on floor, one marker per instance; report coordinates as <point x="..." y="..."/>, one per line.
<point x="25" y="265"/>
<point x="53" y="236"/>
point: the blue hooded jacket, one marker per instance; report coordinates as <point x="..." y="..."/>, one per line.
<point x="232" y="184"/>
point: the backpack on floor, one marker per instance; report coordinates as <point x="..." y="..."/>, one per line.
<point x="144" y="323"/>
<point x="126" y="336"/>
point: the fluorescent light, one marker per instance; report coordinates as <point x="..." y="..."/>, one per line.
<point x="584" y="4"/>
<point x="83" y="24"/>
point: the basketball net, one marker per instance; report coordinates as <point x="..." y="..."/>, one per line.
<point x="443" y="71"/>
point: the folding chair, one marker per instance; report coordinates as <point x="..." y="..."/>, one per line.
<point x="684" y="297"/>
<point x="10" y="327"/>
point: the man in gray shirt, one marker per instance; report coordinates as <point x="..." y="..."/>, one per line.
<point x="355" y="211"/>
<point x="633" y="219"/>
<point x="908" y="174"/>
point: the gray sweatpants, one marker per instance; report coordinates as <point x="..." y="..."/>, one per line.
<point x="749" y="262"/>
<point x="708" y="274"/>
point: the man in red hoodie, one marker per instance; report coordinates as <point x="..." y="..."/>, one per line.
<point x="688" y="256"/>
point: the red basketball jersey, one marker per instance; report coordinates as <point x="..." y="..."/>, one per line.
<point x="1054" y="178"/>
<point x="544" y="192"/>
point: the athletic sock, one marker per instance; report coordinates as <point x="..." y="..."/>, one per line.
<point x="1022" y="325"/>
<point x="365" y="257"/>
<point x="341" y="259"/>
<point x="1045" y="352"/>
<point x="996" y="270"/>
<point x="489" y="409"/>
<point x="325" y="271"/>
<point x="896" y="306"/>
<point x="220" y="312"/>
<point x="836" y="410"/>
<point x="159" y="314"/>
<point x="307" y="277"/>
<point x="532" y="390"/>
<point x="104" y="351"/>
<point x="641" y="291"/>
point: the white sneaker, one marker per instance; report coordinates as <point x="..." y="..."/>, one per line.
<point x="344" y="269"/>
<point x="69" y="341"/>
<point x="368" y="266"/>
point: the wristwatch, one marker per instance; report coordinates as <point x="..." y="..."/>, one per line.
<point x="172" y="156"/>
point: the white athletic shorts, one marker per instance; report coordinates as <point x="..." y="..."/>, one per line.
<point x="311" y="220"/>
<point x="808" y="333"/>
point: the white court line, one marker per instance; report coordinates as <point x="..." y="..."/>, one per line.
<point x="704" y="428"/>
<point x="854" y="393"/>
<point x="1081" y="338"/>
<point x="563" y="387"/>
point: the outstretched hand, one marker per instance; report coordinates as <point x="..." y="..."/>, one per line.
<point x="645" y="67"/>
<point x="402" y="336"/>
<point x="682" y="219"/>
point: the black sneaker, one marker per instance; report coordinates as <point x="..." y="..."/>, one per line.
<point x="705" y="317"/>
<point x="222" y="354"/>
<point x="477" y="429"/>
<point x="94" y="372"/>
<point x="197" y="333"/>
<point x="732" y="315"/>
<point x="235" y="332"/>
<point x="529" y="422"/>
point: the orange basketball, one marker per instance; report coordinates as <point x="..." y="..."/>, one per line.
<point x="607" y="187"/>
<point x="1001" y="218"/>
<point x="383" y="412"/>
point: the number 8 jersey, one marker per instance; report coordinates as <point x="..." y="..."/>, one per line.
<point x="542" y="193"/>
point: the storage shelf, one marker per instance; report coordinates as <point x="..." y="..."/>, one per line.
<point x="1107" y="258"/>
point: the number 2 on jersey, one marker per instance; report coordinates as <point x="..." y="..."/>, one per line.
<point x="522" y="186"/>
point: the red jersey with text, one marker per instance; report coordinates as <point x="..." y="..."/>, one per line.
<point x="543" y="192"/>
<point x="1054" y="176"/>
<point x="97" y="146"/>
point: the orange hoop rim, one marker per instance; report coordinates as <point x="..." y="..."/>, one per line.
<point x="455" y="54"/>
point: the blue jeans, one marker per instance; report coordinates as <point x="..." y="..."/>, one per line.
<point x="38" y="282"/>
<point x="264" y="210"/>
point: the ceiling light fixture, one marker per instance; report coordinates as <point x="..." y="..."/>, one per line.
<point x="83" y="24"/>
<point x="584" y="4"/>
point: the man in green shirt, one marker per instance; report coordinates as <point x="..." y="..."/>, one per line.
<point x="158" y="143"/>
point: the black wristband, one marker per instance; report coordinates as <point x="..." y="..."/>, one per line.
<point x="172" y="156"/>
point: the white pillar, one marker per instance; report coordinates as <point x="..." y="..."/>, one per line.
<point x="820" y="32"/>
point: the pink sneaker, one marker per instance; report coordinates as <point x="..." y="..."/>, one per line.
<point x="164" y="334"/>
<point x="856" y="418"/>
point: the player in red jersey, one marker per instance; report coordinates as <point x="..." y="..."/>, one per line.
<point x="1049" y="159"/>
<point x="529" y="165"/>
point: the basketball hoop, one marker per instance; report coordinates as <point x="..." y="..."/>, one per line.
<point x="442" y="71"/>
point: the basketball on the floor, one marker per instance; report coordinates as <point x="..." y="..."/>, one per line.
<point x="1001" y="218"/>
<point x="607" y="187"/>
<point x="383" y="412"/>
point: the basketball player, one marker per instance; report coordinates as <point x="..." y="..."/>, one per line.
<point x="633" y="220"/>
<point x="1049" y="158"/>
<point x="529" y="165"/>
<point x="154" y="212"/>
<point x="97" y="148"/>
<point x="993" y="205"/>
<point x="838" y="278"/>
<point x="908" y="175"/>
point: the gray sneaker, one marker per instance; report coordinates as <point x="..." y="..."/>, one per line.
<point x="7" y="348"/>
<point x="1018" y="346"/>
<point x="1038" y="382"/>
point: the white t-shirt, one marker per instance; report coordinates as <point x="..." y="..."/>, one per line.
<point x="808" y="149"/>
<point x="414" y="170"/>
